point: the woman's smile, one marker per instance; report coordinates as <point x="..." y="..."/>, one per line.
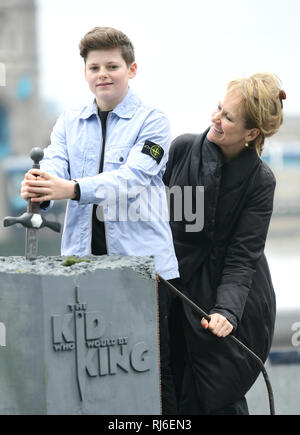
<point x="217" y="130"/>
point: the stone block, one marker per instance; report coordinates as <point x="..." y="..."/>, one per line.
<point x="81" y="339"/>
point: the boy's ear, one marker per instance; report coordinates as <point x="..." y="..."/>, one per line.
<point x="132" y="70"/>
<point x="85" y="72"/>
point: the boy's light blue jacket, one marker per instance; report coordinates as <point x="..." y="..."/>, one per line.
<point x="130" y="188"/>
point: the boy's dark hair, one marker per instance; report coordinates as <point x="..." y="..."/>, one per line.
<point x="106" y="38"/>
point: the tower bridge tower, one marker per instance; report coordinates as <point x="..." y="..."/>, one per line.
<point x="22" y="122"/>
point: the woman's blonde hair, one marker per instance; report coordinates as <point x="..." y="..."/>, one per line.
<point x="262" y="98"/>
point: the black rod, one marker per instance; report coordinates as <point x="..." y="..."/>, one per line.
<point x="230" y="337"/>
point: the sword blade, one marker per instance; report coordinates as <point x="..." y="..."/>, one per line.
<point x="31" y="246"/>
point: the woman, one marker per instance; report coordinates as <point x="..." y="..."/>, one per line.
<point x="223" y="267"/>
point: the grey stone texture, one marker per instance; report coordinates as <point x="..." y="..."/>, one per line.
<point x="81" y="339"/>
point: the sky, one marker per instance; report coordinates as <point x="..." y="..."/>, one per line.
<point x="186" y="51"/>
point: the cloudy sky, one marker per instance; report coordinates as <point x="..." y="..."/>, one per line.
<point x="186" y="51"/>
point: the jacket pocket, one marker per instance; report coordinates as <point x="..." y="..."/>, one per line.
<point x="116" y="157"/>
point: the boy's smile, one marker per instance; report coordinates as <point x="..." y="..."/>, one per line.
<point x="107" y="75"/>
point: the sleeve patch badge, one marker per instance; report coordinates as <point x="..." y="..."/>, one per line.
<point x="153" y="150"/>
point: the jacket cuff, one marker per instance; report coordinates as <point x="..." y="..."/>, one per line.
<point x="86" y="187"/>
<point x="44" y="206"/>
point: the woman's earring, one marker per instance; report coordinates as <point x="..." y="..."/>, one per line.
<point x="246" y="145"/>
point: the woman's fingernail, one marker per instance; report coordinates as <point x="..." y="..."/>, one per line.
<point x="205" y="324"/>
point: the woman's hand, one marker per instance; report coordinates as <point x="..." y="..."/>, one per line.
<point x="218" y="325"/>
<point x="41" y="186"/>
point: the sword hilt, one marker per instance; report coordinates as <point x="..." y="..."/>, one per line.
<point x="32" y="220"/>
<point x="36" y="155"/>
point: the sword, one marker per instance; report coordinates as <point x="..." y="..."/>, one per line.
<point x="32" y="219"/>
<point x="31" y="245"/>
<point x="259" y="362"/>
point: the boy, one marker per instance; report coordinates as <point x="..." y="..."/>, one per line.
<point x="103" y="154"/>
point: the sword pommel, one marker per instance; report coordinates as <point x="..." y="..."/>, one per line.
<point x="36" y="155"/>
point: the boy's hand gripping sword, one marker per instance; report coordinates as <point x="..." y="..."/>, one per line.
<point x="32" y="219"/>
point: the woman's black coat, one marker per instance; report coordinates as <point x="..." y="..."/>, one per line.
<point x="223" y="267"/>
